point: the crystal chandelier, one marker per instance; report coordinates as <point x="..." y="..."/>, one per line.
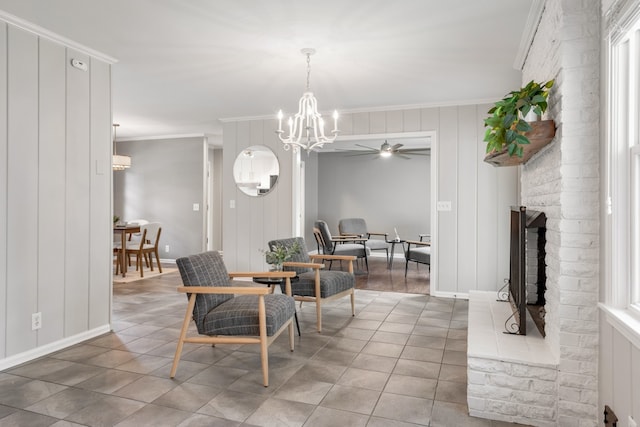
<point x="119" y="163"/>
<point x="306" y="128"/>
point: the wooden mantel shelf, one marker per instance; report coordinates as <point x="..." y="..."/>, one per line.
<point x="541" y="134"/>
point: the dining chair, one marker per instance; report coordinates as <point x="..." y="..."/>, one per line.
<point x="146" y="247"/>
<point x="228" y="312"/>
<point x="339" y="245"/>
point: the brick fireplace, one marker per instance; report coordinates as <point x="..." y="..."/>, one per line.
<point x="552" y="381"/>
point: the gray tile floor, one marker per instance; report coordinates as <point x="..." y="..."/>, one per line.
<point x="401" y="361"/>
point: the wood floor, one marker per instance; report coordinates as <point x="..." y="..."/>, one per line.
<point x="380" y="278"/>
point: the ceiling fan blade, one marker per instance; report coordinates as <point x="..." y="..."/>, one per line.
<point x="403" y="156"/>
<point x="353" y="153"/>
<point x="406" y="150"/>
<point x="368" y="148"/>
<point x="396" y="147"/>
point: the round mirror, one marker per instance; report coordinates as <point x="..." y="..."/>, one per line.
<point x="256" y="170"/>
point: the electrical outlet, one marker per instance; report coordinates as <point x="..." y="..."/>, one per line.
<point x="166" y="248"/>
<point x="632" y="422"/>
<point x="196" y="207"/>
<point x="36" y="321"/>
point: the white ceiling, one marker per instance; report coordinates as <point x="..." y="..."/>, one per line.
<point x="185" y="64"/>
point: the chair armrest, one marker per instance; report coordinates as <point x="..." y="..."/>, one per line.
<point x="303" y="264"/>
<point x="379" y="234"/>
<point x="352" y="235"/>
<point x="272" y="274"/>
<point x="250" y="290"/>
<point x="418" y="243"/>
<point x="348" y="239"/>
<point x="335" y="257"/>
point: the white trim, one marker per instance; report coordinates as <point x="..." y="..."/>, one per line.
<point x="624" y="322"/>
<point x="439" y="104"/>
<point x="454" y="295"/>
<point x="32" y="354"/>
<point x="56" y="38"/>
<point x="152" y="138"/>
<point x="528" y="33"/>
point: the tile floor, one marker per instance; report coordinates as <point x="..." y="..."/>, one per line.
<point x="401" y="361"/>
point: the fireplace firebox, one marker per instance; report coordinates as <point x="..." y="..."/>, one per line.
<point x="524" y="258"/>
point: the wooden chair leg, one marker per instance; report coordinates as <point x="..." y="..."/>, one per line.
<point x="264" y="348"/>
<point x="183" y="334"/>
<point x="319" y="313"/>
<point x="158" y="260"/>
<point x="353" y="303"/>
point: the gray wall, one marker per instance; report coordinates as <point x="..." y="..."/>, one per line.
<point x="166" y="178"/>
<point x="55" y="178"/>
<point x="376" y="190"/>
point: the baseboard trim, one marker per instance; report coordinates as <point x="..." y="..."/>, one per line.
<point x="456" y="295"/>
<point x="20" y="358"/>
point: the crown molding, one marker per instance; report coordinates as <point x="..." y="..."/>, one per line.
<point x="56" y="38"/>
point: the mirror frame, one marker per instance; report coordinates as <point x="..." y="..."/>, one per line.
<point x="256" y="183"/>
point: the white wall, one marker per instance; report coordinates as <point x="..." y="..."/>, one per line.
<point x="55" y="173"/>
<point x="472" y="250"/>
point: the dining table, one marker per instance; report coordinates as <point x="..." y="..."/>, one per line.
<point x="124" y="230"/>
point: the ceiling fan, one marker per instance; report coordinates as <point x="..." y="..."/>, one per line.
<point x="388" y="150"/>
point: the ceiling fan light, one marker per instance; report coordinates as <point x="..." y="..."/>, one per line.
<point x="385" y="153"/>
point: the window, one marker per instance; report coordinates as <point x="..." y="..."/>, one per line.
<point x="624" y="161"/>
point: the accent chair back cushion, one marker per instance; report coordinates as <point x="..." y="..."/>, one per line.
<point x="301" y="256"/>
<point x="353" y="226"/>
<point x="205" y="269"/>
<point x="326" y="235"/>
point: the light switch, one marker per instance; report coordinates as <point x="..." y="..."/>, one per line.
<point x="196" y="207"/>
<point x="444" y="206"/>
<point x="232" y="204"/>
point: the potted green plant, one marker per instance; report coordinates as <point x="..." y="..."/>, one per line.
<point x="507" y="129"/>
<point x="280" y="254"/>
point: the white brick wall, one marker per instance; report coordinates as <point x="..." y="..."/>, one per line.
<point x="563" y="182"/>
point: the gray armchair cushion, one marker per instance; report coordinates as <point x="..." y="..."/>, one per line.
<point x="301" y="256"/>
<point x="205" y="269"/>
<point x="239" y="315"/>
<point x="331" y="282"/>
<point x="353" y="226"/>
<point x="224" y="314"/>
<point x="420" y="254"/>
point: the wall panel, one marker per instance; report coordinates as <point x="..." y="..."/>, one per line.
<point x="467" y="201"/>
<point x="51" y="184"/>
<point x="22" y="189"/>
<point x="447" y="191"/>
<point x="101" y="181"/>
<point x="229" y="195"/>
<point x="3" y="185"/>
<point x="77" y="226"/>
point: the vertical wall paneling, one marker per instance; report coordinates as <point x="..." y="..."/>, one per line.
<point x="360" y="122"/>
<point x="394" y="122"/>
<point x="229" y="195"/>
<point x="269" y="215"/>
<point x="256" y="237"/>
<point x="77" y="197"/>
<point x="621" y="377"/>
<point x="100" y="206"/>
<point x="447" y="191"/>
<point x="411" y="120"/>
<point x="487" y="215"/>
<point x="244" y="204"/>
<point x="430" y="119"/>
<point x="467" y="203"/>
<point x="22" y="189"/>
<point x="377" y="122"/>
<point x="345" y="124"/>
<point x="3" y="184"/>
<point x="51" y="184"/>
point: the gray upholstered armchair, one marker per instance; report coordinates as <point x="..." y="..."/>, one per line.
<point x="314" y="284"/>
<point x="358" y="227"/>
<point x="418" y="251"/>
<point x="232" y="313"/>
<point x="340" y="245"/>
